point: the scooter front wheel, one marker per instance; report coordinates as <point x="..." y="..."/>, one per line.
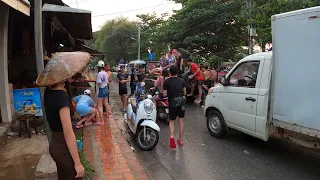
<point x="147" y="138"/>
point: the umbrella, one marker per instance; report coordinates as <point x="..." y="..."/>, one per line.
<point x="63" y="66"/>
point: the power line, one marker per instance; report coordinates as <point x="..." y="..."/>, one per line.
<point x="162" y="8"/>
<point x="157" y="6"/>
<point x="77" y="2"/>
<point x="129" y="10"/>
<point x="172" y="8"/>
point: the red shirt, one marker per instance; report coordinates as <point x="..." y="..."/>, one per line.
<point x="199" y="75"/>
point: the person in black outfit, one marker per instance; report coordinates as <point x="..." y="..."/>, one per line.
<point x="122" y="79"/>
<point x="140" y="77"/>
<point x="175" y="88"/>
<point x="179" y="61"/>
<point x="63" y="145"/>
<point x="132" y="81"/>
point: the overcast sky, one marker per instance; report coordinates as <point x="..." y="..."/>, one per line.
<point x="103" y="10"/>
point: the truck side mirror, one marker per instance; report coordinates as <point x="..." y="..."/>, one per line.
<point x="224" y="81"/>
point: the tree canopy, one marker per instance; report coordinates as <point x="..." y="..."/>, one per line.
<point x="262" y="10"/>
<point x="204" y="28"/>
<point x="117" y="38"/>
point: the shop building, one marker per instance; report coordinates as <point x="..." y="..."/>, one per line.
<point x="63" y="29"/>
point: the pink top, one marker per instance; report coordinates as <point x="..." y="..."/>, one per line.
<point x="159" y="82"/>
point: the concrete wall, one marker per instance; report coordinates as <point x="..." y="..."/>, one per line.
<point x="6" y="113"/>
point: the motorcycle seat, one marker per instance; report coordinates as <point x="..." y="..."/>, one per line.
<point x="134" y="108"/>
<point x="163" y="99"/>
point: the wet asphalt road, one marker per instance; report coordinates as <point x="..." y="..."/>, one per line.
<point x="237" y="156"/>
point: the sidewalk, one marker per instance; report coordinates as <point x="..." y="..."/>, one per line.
<point x="110" y="153"/>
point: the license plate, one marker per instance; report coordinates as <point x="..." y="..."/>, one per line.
<point x="167" y="110"/>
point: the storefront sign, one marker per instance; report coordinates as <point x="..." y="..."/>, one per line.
<point x="28" y="101"/>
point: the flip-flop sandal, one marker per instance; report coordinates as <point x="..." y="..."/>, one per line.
<point x="180" y="143"/>
<point x="87" y="124"/>
<point x="172" y="143"/>
<point x="99" y="123"/>
<point x="79" y="126"/>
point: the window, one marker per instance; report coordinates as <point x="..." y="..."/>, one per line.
<point x="245" y="75"/>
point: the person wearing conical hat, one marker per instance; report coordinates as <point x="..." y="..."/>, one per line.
<point x="102" y="82"/>
<point x="63" y="146"/>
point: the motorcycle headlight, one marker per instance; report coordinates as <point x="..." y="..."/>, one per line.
<point x="148" y="107"/>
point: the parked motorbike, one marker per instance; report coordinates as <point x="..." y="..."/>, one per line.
<point x="163" y="109"/>
<point x="141" y="120"/>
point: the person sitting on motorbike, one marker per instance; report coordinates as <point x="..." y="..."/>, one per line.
<point x="164" y="64"/>
<point x="85" y="108"/>
<point x="171" y="58"/>
<point x="207" y="83"/>
<point x="159" y="85"/>
<point x="139" y="91"/>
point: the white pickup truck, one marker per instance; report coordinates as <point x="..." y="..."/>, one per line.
<point x="274" y="94"/>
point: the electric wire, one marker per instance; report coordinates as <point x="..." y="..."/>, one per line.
<point x="157" y="6"/>
<point x="127" y="11"/>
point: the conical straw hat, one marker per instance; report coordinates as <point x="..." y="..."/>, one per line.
<point x="62" y="66"/>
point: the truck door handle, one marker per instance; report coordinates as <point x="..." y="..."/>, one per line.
<point x="250" y="99"/>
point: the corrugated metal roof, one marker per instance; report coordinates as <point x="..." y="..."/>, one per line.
<point x="66" y="9"/>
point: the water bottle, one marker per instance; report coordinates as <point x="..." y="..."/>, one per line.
<point x="80" y="145"/>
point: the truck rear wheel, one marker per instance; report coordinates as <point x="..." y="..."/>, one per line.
<point x="216" y="124"/>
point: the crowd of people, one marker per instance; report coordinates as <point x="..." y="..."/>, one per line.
<point x="168" y="84"/>
<point x="59" y="109"/>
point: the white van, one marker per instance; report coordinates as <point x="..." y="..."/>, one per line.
<point x="274" y="93"/>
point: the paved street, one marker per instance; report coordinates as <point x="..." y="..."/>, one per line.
<point x="237" y="156"/>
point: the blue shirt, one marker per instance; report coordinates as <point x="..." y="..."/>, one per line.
<point x="139" y="91"/>
<point x="84" y="99"/>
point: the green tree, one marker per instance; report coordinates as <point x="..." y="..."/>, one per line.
<point x="205" y="26"/>
<point x="150" y="25"/>
<point x="116" y="39"/>
<point x="262" y="10"/>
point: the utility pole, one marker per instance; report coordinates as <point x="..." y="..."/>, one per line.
<point x="77" y="3"/>
<point x="250" y="29"/>
<point x="39" y="55"/>
<point x="138" y="42"/>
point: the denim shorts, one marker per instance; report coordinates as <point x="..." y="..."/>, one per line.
<point x="103" y="92"/>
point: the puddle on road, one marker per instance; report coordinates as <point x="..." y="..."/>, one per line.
<point x="20" y="167"/>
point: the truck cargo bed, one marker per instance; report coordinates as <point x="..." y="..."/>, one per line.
<point x="296" y="61"/>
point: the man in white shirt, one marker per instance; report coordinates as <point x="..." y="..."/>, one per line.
<point x="102" y="82"/>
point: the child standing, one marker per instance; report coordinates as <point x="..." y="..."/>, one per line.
<point x="139" y="91"/>
<point x="140" y="77"/>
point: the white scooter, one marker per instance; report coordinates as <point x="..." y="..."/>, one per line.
<point x="141" y="120"/>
